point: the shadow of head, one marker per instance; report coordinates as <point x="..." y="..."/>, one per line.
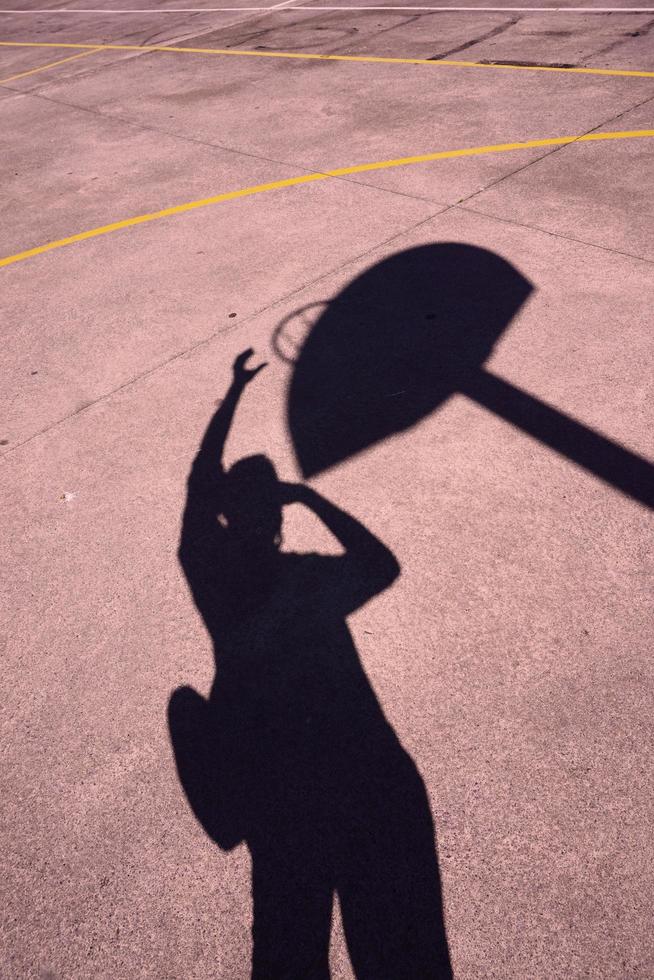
<point x="394" y="344"/>
<point x="251" y="507"/>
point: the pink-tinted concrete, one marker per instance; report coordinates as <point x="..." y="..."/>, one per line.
<point x="512" y="656"/>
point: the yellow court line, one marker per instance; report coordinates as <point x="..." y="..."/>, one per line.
<point x="50" y="64"/>
<point x="329" y="57"/>
<point x="308" y="178"/>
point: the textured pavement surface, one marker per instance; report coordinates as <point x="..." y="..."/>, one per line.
<point x="512" y="656"/>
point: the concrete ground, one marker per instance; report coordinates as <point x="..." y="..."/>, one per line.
<point x="512" y="656"/>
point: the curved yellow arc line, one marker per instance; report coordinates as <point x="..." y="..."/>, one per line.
<point x="308" y="178"/>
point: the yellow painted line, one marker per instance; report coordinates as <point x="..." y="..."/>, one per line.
<point x="329" y="57"/>
<point x="495" y="148"/>
<point x="50" y="64"/>
<point x="309" y="178"/>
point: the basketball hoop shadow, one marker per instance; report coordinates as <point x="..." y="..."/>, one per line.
<point x="291" y="333"/>
<point x="403" y="337"/>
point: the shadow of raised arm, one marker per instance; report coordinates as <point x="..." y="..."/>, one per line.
<point x="367" y="566"/>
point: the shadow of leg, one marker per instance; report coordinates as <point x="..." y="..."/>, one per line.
<point x="292" y="897"/>
<point x="388" y="880"/>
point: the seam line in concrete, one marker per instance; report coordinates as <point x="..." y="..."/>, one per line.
<point x="143" y="127"/>
<point x="552" y="234"/>
<point x="392" y="190"/>
<point x="137" y="124"/>
<point x="203" y="342"/>
<point x="584" y="137"/>
<point x="229" y="149"/>
<point x="233" y="149"/>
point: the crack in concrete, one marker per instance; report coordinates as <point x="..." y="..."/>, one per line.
<point x="641" y="32"/>
<point x="234" y="43"/>
<point x="495" y="32"/>
<point x="528" y="64"/>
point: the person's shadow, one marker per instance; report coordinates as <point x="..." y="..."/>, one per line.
<point x="292" y="753"/>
